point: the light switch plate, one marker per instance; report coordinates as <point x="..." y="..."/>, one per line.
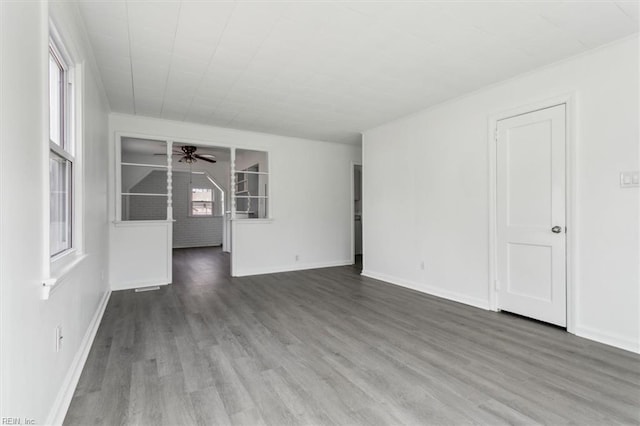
<point x="630" y="179"/>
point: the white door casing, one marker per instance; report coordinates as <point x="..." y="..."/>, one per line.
<point x="530" y="196"/>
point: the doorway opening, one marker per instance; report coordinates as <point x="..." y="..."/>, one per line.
<point x="200" y="202"/>
<point x="356" y="215"/>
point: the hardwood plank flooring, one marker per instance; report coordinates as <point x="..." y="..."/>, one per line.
<point x="327" y="346"/>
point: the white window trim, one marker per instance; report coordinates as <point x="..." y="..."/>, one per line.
<point x="213" y="202"/>
<point x="59" y="266"/>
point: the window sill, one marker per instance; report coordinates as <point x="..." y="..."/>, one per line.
<point x="60" y="270"/>
<point x="141" y="222"/>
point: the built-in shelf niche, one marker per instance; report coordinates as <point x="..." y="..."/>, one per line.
<point x="251" y="193"/>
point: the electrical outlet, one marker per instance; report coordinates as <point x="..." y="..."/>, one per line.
<point x="58" y="338"/>
<point x="297" y="257"/>
<point x="422" y="265"/>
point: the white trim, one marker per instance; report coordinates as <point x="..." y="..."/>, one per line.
<point x="427" y="289"/>
<point x="45" y="253"/>
<point x="63" y="399"/>
<point x="232" y="188"/>
<point x="611" y="339"/>
<point x="352" y="225"/>
<point x="169" y="149"/>
<point x="169" y="254"/>
<point x="569" y="100"/>
<point x="571" y="178"/>
<point x="59" y="274"/>
<point x="117" y="189"/>
<point x="130" y="285"/>
<point x="362" y="205"/>
<point x="291" y="268"/>
<point x="79" y="214"/>
<point x="72" y="150"/>
<point x="232" y="209"/>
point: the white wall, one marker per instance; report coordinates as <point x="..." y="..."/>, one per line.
<point x="36" y="380"/>
<point x="310" y="195"/>
<point x="188" y="230"/>
<point x="426" y="191"/>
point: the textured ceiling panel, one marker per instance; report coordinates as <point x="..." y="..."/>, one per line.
<point x="328" y="70"/>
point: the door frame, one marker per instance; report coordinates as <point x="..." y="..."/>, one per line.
<point x="569" y="100"/>
<point x="352" y="208"/>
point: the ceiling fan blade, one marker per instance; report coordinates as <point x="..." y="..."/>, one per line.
<point x="205" y="157"/>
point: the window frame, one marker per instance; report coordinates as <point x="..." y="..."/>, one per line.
<point x="191" y="201"/>
<point x="66" y="148"/>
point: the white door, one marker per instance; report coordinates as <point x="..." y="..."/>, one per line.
<point x="531" y="215"/>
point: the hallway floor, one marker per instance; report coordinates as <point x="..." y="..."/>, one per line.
<point x="328" y="346"/>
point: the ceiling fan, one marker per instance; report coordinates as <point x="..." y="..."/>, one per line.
<point x="188" y="153"/>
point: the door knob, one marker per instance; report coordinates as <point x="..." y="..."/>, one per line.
<point x="556" y="229"/>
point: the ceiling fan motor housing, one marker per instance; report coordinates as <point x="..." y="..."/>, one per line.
<point x="189" y="149"/>
<point x="190" y="155"/>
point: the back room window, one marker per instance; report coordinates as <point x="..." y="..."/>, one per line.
<point x="201" y="201"/>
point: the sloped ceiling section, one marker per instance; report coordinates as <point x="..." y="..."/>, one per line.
<point x="327" y="70"/>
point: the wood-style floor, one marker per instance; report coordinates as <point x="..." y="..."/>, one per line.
<point x="328" y="346"/>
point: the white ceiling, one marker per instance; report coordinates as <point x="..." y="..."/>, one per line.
<point x="328" y="70"/>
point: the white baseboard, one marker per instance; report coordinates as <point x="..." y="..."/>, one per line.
<point x="63" y="399"/>
<point x="434" y="291"/>
<point x="290" y="268"/>
<point x="621" y="342"/>
<point x="138" y="284"/>
<point x="600" y="336"/>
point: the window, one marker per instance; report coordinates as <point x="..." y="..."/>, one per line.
<point x="61" y="153"/>
<point x="251" y="194"/>
<point x="143" y="176"/>
<point x="201" y="202"/>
